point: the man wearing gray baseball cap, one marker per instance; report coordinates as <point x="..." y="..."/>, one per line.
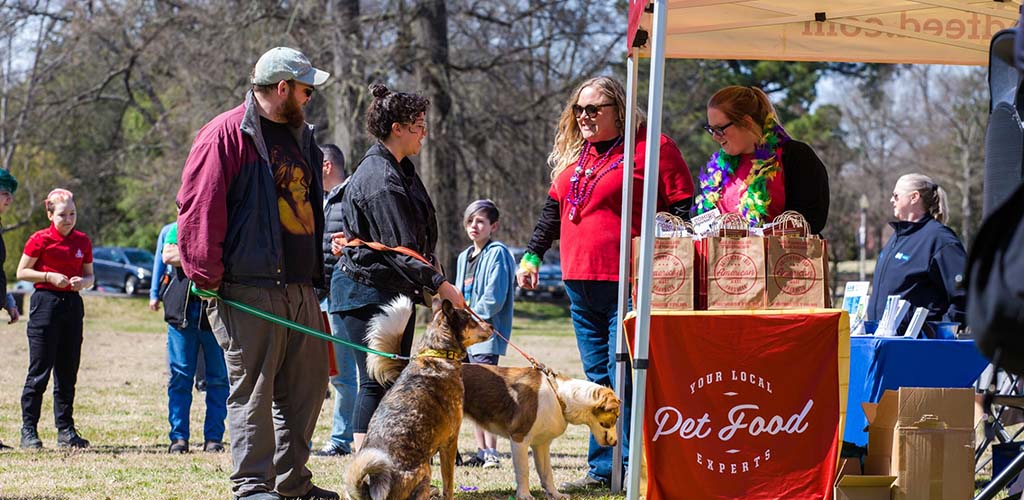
<point x="250" y="226"/>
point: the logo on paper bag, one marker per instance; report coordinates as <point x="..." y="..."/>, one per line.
<point x="794" y="274"/>
<point x="735" y="273"/>
<point x="668" y="274"/>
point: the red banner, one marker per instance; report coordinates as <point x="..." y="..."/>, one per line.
<point x="742" y="406"/>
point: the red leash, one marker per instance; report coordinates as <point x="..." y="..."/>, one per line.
<point x="416" y="255"/>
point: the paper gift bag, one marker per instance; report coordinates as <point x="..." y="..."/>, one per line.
<point x="797" y="265"/>
<point x="734" y="264"/>
<point x="672" y="273"/>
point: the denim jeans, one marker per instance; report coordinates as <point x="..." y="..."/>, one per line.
<point x="345" y="385"/>
<point x="183" y="347"/>
<point x="594" y="311"/>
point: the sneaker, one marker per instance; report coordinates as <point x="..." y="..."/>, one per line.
<point x="30" y="439"/>
<point x="69" y="438"/>
<point x="318" y="493"/>
<point x="474" y="461"/>
<point x="213" y="447"/>
<point x="584" y="483"/>
<point x="178" y="446"/>
<point x="332" y="450"/>
<point x="491" y="461"/>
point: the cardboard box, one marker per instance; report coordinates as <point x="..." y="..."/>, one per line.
<point x="924" y="437"/>
<point x="851" y="485"/>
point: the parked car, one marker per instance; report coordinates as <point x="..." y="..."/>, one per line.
<point x="549" y="276"/>
<point x="123" y="268"/>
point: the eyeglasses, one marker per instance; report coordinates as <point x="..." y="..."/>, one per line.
<point x="716" y="131"/>
<point x="422" y="128"/>
<point x="305" y="90"/>
<point x="590" y="109"/>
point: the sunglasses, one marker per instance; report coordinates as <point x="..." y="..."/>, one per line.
<point x="308" y="91"/>
<point x="716" y="131"/>
<point x="590" y="109"/>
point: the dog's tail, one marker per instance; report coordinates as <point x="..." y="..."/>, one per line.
<point x="368" y="477"/>
<point x="384" y="333"/>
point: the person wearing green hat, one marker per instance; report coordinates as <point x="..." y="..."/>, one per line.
<point x="8" y="185"/>
<point x="250" y="227"/>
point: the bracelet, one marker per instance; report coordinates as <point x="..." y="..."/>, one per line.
<point x="530" y="262"/>
<point x="46" y="277"/>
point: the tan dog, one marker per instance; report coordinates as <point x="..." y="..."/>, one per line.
<point x="528" y="406"/>
<point x="421" y="413"/>
<point x="532" y="408"/>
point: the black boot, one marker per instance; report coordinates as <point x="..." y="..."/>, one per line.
<point x="69" y="438"/>
<point x="30" y="439"/>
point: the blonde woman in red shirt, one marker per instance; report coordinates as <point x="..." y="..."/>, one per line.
<point x="583" y="209"/>
<point x="58" y="260"/>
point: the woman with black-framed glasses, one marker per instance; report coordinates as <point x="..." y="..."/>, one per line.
<point x="583" y="209"/>
<point x="759" y="171"/>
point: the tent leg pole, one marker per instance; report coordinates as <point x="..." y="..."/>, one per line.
<point x="625" y="248"/>
<point x="644" y="268"/>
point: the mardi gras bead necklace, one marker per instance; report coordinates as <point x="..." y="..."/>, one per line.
<point x="767" y="162"/>
<point x="584" y="180"/>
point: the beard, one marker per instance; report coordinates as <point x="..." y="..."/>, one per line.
<point x="291" y="111"/>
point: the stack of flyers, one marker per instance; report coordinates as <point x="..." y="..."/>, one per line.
<point x="855" y="302"/>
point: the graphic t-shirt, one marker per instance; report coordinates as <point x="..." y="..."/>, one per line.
<point x="292" y="177"/>
<point x="467" y="281"/>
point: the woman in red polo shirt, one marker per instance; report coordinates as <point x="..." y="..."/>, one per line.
<point x="583" y="209"/>
<point x="58" y="260"/>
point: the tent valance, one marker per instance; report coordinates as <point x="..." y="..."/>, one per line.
<point x="878" y="31"/>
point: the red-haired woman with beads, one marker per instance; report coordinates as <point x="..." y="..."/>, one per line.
<point x="583" y="209"/>
<point x="760" y="171"/>
<point x="58" y="260"/>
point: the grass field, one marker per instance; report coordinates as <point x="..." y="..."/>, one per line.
<point x="121" y="406"/>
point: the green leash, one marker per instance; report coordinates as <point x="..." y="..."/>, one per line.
<point x="210" y="294"/>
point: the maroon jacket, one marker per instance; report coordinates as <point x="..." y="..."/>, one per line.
<point x="229" y="228"/>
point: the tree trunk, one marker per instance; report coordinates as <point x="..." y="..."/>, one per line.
<point x="437" y="163"/>
<point x="348" y="68"/>
<point x="965" y="203"/>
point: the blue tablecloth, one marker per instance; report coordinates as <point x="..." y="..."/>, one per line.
<point x="880" y="363"/>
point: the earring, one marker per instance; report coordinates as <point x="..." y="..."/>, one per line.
<point x="618" y="124"/>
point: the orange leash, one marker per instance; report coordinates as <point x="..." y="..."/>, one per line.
<point x="416" y="255"/>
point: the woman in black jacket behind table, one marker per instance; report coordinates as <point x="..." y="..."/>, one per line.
<point x="385" y="202"/>
<point x="924" y="259"/>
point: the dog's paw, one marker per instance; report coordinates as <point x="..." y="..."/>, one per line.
<point x="524" y="496"/>
<point x="555" y="495"/>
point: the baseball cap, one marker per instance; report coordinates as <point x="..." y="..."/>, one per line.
<point x="284" y="63"/>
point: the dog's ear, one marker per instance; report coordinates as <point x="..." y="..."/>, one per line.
<point x="435" y="305"/>
<point x="608" y="401"/>
<point x="449" y="309"/>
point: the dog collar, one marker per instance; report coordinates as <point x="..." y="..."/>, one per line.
<point x="434" y="353"/>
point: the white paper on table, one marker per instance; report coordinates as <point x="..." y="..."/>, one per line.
<point x="916" y="322"/>
<point x="705" y="222"/>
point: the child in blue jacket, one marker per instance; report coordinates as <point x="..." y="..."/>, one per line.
<point x="486" y="276"/>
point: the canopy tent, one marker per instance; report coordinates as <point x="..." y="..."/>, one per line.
<point x="871" y="31"/>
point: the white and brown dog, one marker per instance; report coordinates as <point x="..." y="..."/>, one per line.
<point x="529" y="406"/>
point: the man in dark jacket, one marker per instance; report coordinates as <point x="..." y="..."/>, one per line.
<point x="345" y="382"/>
<point x="250" y="225"/>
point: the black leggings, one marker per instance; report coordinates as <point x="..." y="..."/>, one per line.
<point x="370" y="392"/>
